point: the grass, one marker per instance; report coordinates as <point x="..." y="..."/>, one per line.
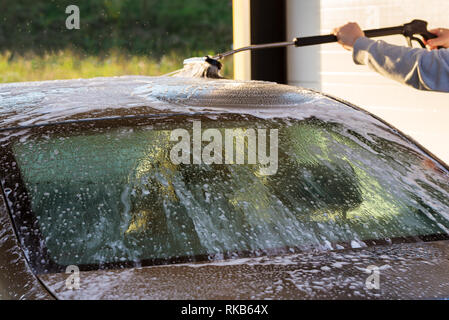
<point x="70" y="65"/>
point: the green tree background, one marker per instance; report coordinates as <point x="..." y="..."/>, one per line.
<point x="143" y="27"/>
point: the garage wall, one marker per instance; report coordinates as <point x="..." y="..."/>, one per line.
<point x="241" y="20"/>
<point x="329" y="68"/>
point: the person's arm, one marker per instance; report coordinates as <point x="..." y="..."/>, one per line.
<point x="419" y="68"/>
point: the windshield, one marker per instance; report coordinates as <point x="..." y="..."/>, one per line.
<point x="114" y="194"/>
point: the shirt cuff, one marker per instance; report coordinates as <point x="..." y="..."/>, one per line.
<point x="360" y="50"/>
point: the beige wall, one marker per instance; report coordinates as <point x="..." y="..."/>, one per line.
<point x="242" y="38"/>
<point x="329" y="68"/>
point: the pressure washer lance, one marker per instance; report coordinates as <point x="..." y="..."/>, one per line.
<point x="408" y="30"/>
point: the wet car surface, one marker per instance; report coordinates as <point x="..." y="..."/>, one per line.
<point x="408" y="271"/>
<point x="88" y="181"/>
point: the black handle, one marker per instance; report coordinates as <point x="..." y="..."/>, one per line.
<point x="372" y="33"/>
<point x="428" y="35"/>
<point x="408" y="30"/>
<point x="309" y="41"/>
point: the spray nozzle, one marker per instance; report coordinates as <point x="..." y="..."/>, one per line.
<point x="200" y="67"/>
<point x="200" y="60"/>
<point x="213" y="62"/>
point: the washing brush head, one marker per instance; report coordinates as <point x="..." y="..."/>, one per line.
<point x="201" y="67"/>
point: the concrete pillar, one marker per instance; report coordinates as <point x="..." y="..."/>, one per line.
<point x="303" y="64"/>
<point x="241" y="16"/>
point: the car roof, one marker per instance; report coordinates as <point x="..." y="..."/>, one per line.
<point x="40" y="102"/>
<point x="29" y="104"/>
<point x="47" y="102"/>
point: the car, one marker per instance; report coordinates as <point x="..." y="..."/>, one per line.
<point x="140" y="187"/>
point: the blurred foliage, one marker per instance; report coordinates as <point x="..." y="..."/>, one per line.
<point x="70" y="65"/>
<point x="116" y="37"/>
<point x="150" y="27"/>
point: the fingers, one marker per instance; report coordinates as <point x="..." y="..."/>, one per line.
<point x="442" y="39"/>
<point x="435" y="42"/>
<point x="337" y="32"/>
<point x="437" y="31"/>
<point x="347" y="34"/>
<point x="428" y="46"/>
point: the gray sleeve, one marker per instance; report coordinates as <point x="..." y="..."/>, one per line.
<point x="416" y="67"/>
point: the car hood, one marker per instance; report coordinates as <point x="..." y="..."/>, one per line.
<point x="408" y="270"/>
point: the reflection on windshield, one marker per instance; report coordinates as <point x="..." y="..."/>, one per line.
<point x="114" y="195"/>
